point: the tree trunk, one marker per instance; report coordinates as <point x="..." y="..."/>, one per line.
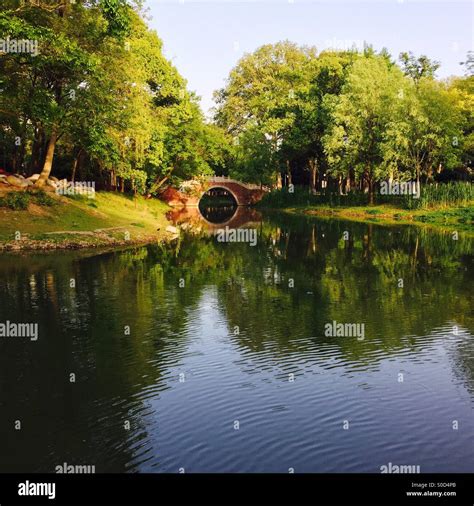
<point x="157" y="185"/>
<point x="278" y="182"/>
<point x="48" y="162"/>
<point x="371" y="190"/>
<point x="347" y="189"/>
<point x="365" y="181"/>
<point x="429" y="175"/>
<point x="75" y="165"/>
<point x="417" y="179"/>
<point x="313" y="175"/>
<point x="113" y="181"/>
<point x="37" y="150"/>
<point x="288" y="173"/>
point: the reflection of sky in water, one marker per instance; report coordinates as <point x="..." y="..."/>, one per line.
<point x="238" y="332"/>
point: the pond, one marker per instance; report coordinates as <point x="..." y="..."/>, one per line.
<point x="218" y="354"/>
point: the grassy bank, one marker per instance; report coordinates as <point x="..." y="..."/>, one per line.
<point x="448" y="205"/>
<point x="455" y="218"/>
<point x="47" y="221"/>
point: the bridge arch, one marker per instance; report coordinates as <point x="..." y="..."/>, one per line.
<point x="191" y="192"/>
<point x="221" y="187"/>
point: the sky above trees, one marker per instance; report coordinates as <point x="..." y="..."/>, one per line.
<point x="205" y="39"/>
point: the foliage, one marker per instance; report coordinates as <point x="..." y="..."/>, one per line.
<point x="354" y="118"/>
<point x="41" y="198"/>
<point x="431" y="196"/>
<point x="442" y="195"/>
<point x="417" y="68"/>
<point x="360" y="119"/>
<point x="99" y="101"/>
<point x="301" y="197"/>
<point x="17" y="201"/>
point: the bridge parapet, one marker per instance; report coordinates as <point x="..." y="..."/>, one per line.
<point x="225" y="179"/>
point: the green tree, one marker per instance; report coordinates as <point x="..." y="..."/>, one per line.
<point x="418" y="68"/>
<point x="263" y="93"/>
<point x="360" y="118"/>
<point x="426" y="132"/>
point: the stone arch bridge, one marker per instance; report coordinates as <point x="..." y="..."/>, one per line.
<point x="191" y="192"/>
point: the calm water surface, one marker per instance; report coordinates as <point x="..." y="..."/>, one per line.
<point x="243" y="340"/>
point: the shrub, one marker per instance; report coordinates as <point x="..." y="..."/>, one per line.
<point x="434" y="195"/>
<point x="42" y="198"/>
<point x="302" y="197"/>
<point x="17" y="201"/>
<point x="431" y="195"/>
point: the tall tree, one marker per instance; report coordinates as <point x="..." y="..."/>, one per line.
<point x="418" y="67"/>
<point x="263" y="94"/>
<point x="360" y="119"/>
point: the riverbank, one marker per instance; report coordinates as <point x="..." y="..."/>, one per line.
<point x="107" y="220"/>
<point x="455" y="218"/>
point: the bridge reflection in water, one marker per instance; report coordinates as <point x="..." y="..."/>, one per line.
<point x="214" y="218"/>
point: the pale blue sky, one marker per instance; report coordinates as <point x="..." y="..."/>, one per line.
<point x="205" y="39"/>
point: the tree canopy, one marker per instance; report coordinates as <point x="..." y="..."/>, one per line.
<point x="94" y="97"/>
<point x="99" y="99"/>
<point x="354" y="117"/>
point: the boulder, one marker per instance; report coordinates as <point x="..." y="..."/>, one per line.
<point x="55" y="179"/>
<point x="51" y="183"/>
<point x="34" y="178"/>
<point x="16" y="181"/>
<point x="172" y="230"/>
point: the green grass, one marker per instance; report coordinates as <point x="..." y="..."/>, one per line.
<point x="41" y="198"/>
<point x="449" y="205"/>
<point x="20" y="200"/>
<point x="112" y="214"/>
<point x="459" y="218"/>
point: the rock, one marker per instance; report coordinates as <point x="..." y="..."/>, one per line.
<point x="16" y="181"/>
<point x="172" y="230"/>
<point x="51" y="183"/>
<point x="33" y="178"/>
<point x="55" y="179"/>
